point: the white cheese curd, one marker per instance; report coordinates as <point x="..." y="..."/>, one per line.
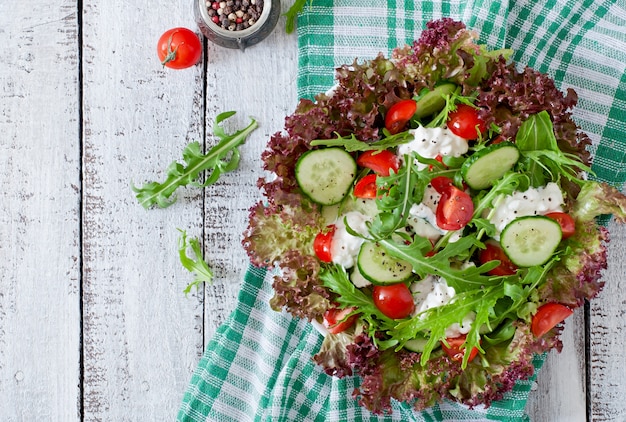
<point x="432" y="292"/>
<point x="431" y="142"/>
<point x="345" y="248"/>
<point x="456" y="329"/>
<point x="534" y="201"/>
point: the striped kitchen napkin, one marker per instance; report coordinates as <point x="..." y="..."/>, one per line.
<point x="258" y="367"/>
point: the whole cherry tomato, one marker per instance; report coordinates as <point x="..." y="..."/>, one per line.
<point x="464" y="122"/>
<point x="548" y="316"/>
<point x="399" y="115"/>
<point x="394" y="300"/>
<point x="179" y="48"/>
<point x="493" y="252"/>
<point x="366" y="187"/>
<point x="567" y="223"/>
<point x="381" y="162"/>
<point x="322" y="244"/>
<point x="335" y="319"/>
<point x="455" y="349"/>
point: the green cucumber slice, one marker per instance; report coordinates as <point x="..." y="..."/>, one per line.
<point x="377" y="266"/>
<point x="530" y="241"/>
<point x="433" y="101"/>
<point x="416" y="344"/>
<point x="326" y="175"/>
<point x="489" y="164"/>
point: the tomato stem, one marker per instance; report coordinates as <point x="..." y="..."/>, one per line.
<point x="171" y="54"/>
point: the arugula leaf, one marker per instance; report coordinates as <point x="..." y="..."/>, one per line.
<point x="222" y="158"/>
<point x="195" y="264"/>
<point x="440" y="264"/>
<point x="352" y="143"/>
<point x="542" y="155"/>
<point x="336" y="279"/>
<point x="292" y="14"/>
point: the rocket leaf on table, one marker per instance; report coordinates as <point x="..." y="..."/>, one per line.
<point x="196" y="264"/>
<point x="221" y="158"/>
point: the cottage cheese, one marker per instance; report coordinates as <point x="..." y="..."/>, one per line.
<point x="431" y="142"/>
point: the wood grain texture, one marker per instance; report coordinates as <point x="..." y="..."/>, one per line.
<point x="39" y="212"/>
<point x="141" y="334"/>
<point x="607" y="360"/>
<point x="259" y="82"/>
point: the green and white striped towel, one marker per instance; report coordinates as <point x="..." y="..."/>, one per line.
<point x="258" y="366"/>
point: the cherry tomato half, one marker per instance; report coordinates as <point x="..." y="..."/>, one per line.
<point x="399" y="115"/>
<point x="455" y="209"/>
<point x="493" y="252"/>
<point x="548" y="316"/>
<point x="379" y="161"/>
<point x="335" y="319"/>
<point x="455" y="349"/>
<point x="394" y="300"/>
<point x="464" y="122"/>
<point x="322" y="244"/>
<point x="441" y="184"/>
<point x="366" y="187"/>
<point x="179" y="48"/>
<point x="567" y="223"/>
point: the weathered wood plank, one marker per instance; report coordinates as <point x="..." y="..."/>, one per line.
<point x="560" y="393"/>
<point x="608" y="321"/>
<point x="259" y="82"/>
<point x="142" y="336"/>
<point x="39" y="212"/>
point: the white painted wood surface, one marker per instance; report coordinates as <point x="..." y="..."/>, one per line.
<point x="93" y="322"/>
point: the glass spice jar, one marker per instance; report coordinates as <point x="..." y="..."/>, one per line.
<point x="236" y="23"/>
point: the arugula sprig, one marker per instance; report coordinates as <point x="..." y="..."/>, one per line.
<point x="194" y="264"/>
<point x="221" y="158"/>
<point x="542" y="156"/>
<point x="482" y="302"/>
<point x="335" y="278"/>
<point x="292" y="14"/>
<point x="353" y="144"/>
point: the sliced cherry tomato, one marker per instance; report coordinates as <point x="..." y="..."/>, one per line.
<point x="548" y="316"/>
<point x="464" y="122"/>
<point x="441" y="184"/>
<point x="455" y="349"/>
<point x="335" y="319"/>
<point x="179" y="48"/>
<point x="567" y="223"/>
<point x="366" y="187"/>
<point x="322" y="244"/>
<point x="399" y="115"/>
<point x="493" y="252"/>
<point x="455" y="209"/>
<point x="379" y="161"/>
<point x="394" y="300"/>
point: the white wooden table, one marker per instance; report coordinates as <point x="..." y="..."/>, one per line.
<point x="93" y="322"/>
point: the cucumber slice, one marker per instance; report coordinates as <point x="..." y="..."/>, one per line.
<point x="416" y="344"/>
<point x="432" y="102"/>
<point x="377" y="266"/>
<point x="326" y="175"/>
<point x="489" y="164"/>
<point x="532" y="240"/>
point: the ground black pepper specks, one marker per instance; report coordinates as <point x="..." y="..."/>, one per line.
<point x="235" y="15"/>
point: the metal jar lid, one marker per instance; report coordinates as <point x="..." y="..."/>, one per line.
<point x="239" y="39"/>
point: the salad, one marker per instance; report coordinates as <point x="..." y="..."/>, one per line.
<point x="433" y="212"/>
